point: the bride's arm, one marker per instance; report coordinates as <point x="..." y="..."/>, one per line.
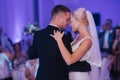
<point x="77" y="55"/>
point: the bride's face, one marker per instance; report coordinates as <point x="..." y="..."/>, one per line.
<point x="74" y="23"/>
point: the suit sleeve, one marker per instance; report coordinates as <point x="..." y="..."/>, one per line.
<point x="32" y="51"/>
<point x="67" y="42"/>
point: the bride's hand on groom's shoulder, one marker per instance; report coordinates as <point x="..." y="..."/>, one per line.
<point x="57" y="35"/>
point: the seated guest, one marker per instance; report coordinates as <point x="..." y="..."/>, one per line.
<point x="5" y="65"/>
<point x="5" y="41"/>
<point x="115" y="64"/>
<point x="31" y="69"/>
<point x="19" y="63"/>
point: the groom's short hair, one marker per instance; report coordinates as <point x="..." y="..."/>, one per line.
<point x="59" y="8"/>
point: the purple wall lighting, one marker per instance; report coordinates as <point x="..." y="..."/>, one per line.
<point x="106" y="9"/>
<point x="16" y="14"/>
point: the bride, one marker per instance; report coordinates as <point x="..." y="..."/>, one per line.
<point x="85" y="47"/>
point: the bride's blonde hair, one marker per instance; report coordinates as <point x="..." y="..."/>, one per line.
<point x="80" y="15"/>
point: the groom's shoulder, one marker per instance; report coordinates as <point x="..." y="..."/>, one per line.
<point x="40" y="31"/>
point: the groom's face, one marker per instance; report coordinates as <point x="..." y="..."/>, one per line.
<point x="64" y="20"/>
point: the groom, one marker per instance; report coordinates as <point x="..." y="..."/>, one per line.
<point x="52" y="66"/>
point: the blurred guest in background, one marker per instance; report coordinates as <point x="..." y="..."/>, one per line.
<point x="105" y="39"/>
<point x="115" y="64"/>
<point x="26" y="42"/>
<point x="31" y="68"/>
<point x="5" y="42"/>
<point x="5" y="65"/>
<point x="18" y="71"/>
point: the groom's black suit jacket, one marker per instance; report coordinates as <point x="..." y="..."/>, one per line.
<point x="52" y="66"/>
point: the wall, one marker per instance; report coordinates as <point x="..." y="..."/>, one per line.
<point x="14" y="16"/>
<point x="106" y="9"/>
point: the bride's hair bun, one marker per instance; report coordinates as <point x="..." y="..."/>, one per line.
<point x="80" y="14"/>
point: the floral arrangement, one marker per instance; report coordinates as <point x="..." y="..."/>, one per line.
<point x="30" y="29"/>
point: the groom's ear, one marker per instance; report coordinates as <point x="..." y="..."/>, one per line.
<point x="58" y="18"/>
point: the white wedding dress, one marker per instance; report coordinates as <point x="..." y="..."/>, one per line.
<point x="80" y="75"/>
<point x="92" y="58"/>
